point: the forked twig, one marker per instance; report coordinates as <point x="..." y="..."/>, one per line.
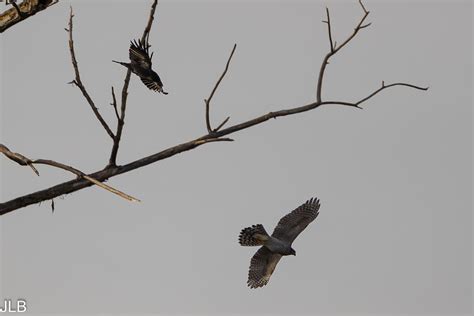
<point x="208" y="100"/>
<point x="334" y="48"/>
<point x="24" y="161"/>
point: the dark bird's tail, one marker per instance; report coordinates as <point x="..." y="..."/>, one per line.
<point x="121" y="63"/>
<point x="253" y="236"/>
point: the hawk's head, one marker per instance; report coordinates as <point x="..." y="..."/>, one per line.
<point x="292" y="252"/>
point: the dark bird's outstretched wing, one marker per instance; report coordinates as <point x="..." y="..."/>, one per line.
<point x="262" y="265"/>
<point x="139" y="56"/>
<point x="140" y="62"/>
<point x="154" y="83"/>
<point x="292" y="224"/>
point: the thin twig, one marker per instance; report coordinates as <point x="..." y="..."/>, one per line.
<point x="222" y="124"/>
<point x="146" y="32"/>
<point x="121" y="120"/>
<point x="114" y="104"/>
<point x="18" y="158"/>
<point x="335" y="49"/>
<point x="383" y="87"/>
<point x="85" y="176"/>
<point x="208" y="100"/>
<point x="328" y="22"/>
<point x="78" y="82"/>
<point x="363" y="7"/>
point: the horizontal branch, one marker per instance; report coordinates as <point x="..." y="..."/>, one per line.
<point x="21" y="12"/>
<point x="100" y="176"/>
<point x="383" y="87"/>
<point x="111" y="171"/>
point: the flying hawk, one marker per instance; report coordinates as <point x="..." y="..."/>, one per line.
<point x="140" y="64"/>
<point x="264" y="261"/>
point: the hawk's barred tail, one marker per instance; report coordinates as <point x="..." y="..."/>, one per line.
<point x="253" y="236"/>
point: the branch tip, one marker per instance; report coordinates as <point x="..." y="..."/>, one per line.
<point x="123" y="106"/>
<point x="208" y="100"/>
<point x="78" y="82"/>
<point x="222" y="124"/>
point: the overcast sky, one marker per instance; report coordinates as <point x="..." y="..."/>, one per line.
<point x="394" y="179"/>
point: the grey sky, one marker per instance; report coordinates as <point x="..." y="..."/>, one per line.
<point x="395" y="180"/>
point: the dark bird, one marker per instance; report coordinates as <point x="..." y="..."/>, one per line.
<point x="140" y="64"/>
<point x="264" y="261"/>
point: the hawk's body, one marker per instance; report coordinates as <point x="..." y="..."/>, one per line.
<point x="140" y="64"/>
<point x="264" y="261"/>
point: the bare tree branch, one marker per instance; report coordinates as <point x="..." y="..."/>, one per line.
<point x="23" y="11"/>
<point x="24" y="161"/>
<point x="334" y="48"/>
<point x="216" y="135"/>
<point x="383" y="87"/>
<point x="78" y="82"/>
<point x="151" y="17"/>
<point x="328" y="22"/>
<point x="81" y="174"/>
<point x="102" y="175"/>
<point x="18" y="158"/>
<point x="114" y="104"/>
<point x="208" y="100"/>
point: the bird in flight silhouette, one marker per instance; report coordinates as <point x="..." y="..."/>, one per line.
<point x="277" y="245"/>
<point x="140" y="64"/>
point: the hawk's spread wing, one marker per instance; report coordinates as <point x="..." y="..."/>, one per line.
<point x="292" y="224"/>
<point x="262" y="265"/>
<point x="154" y="85"/>
<point x="138" y="54"/>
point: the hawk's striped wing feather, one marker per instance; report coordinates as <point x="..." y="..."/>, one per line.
<point x="262" y="265"/>
<point x="292" y="224"/>
<point x="153" y="85"/>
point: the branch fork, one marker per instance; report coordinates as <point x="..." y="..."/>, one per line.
<point x="207" y="101"/>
